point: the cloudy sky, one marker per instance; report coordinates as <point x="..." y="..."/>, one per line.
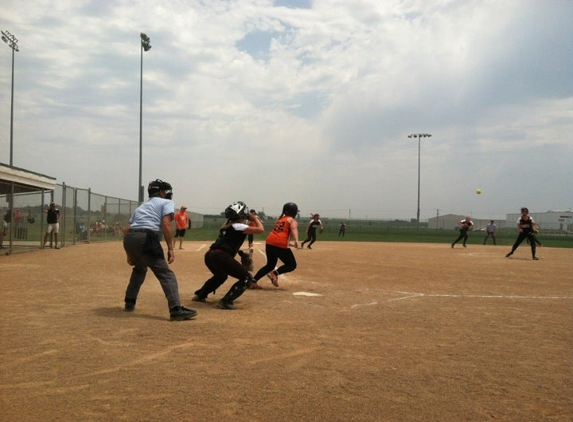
<point x="311" y="101"/>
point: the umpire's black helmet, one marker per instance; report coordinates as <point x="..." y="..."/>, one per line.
<point x="157" y="186"/>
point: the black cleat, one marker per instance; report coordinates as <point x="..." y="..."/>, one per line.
<point x="223" y="304"/>
<point x="509" y="254"/>
<point x="129" y="305"/>
<point x="180" y="313"/>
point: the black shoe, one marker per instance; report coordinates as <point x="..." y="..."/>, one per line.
<point x="452" y="246"/>
<point x="197" y="298"/>
<point x="180" y="313"/>
<point x="535" y="258"/>
<point x="309" y="247"/>
<point x="509" y="254"/>
<point x="129" y="305"/>
<point x="223" y="304"/>
<point x="465" y="246"/>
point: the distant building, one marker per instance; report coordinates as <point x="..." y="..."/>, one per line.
<point x="549" y="220"/>
<point x="196" y="220"/>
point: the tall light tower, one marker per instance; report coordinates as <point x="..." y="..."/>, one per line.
<point x="419" y="136"/>
<point x="12" y="42"/>
<point x="145" y="46"/>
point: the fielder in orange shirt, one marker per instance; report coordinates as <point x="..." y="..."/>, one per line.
<point x="278" y="246"/>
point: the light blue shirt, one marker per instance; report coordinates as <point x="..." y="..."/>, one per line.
<point x="149" y="215"/>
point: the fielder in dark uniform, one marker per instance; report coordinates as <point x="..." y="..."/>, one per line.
<point x="314" y="224"/>
<point x="526" y="226"/>
<point x="465" y="225"/>
<point x="143" y="248"/>
<point x="220" y="258"/>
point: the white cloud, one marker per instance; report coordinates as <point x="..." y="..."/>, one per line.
<point x="312" y="102"/>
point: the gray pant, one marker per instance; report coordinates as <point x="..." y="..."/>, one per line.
<point x="135" y="245"/>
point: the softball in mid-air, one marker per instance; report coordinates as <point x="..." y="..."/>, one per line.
<point x="478" y="191"/>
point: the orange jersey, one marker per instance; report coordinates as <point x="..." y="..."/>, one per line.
<point x="280" y="234"/>
<point x="181" y="220"/>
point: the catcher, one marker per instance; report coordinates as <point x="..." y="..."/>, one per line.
<point x="220" y="258"/>
<point x="313" y="225"/>
<point x="527" y="230"/>
<point x="465" y="225"/>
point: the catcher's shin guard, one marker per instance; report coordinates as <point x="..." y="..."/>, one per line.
<point x="209" y="287"/>
<point x="238" y="289"/>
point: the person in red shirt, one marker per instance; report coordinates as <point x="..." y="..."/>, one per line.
<point x="182" y="223"/>
<point x="278" y="245"/>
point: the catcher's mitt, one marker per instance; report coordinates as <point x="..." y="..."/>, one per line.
<point x="247" y="259"/>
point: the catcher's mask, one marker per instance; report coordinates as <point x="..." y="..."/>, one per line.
<point x="157" y="186"/>
<point x="236" y="211"/>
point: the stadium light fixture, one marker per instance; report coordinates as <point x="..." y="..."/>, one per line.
<point x="12" y="42"/>
<point x="419" y="136"/>
<point x="145" y="46"/>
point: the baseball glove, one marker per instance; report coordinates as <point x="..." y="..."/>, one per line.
<point x="247" y="259"/>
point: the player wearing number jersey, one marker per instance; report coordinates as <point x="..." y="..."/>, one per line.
<point x="278" y="246"/>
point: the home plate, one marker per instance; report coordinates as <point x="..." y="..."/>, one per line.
<point x="305" y="294"/>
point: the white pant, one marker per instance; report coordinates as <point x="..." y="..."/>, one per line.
<point x="53" y="228"/>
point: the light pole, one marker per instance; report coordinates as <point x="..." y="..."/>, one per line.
<point x="12" y="42"/>
<point x="145" y="46"/>
<point x="419" y="136"/>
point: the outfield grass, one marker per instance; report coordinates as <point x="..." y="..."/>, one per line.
<point x="381" y="232"/>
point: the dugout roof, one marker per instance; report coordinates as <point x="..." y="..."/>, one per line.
<point x="24" y="181"/>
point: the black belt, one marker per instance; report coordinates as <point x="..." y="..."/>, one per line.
<point x="142" y="231"/>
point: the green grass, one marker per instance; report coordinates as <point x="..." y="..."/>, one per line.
<point x="372" y="231"/>
<point x="377" y="231"/>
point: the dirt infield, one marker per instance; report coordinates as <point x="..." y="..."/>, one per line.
<point x="359" y="332"/>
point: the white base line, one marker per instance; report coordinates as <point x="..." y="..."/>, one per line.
<point x="411" y="295"/>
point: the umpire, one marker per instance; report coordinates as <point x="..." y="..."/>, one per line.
<point x="142" y="244"/>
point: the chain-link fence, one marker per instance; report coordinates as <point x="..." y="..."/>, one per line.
<point x="85" y="216"/>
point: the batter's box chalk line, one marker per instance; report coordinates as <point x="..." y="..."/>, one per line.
<point x="410" y="295"/>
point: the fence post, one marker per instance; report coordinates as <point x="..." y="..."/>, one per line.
<point x="63" y="217"/>
<point x="75" y="215"/>
<point x="89" y="213"/>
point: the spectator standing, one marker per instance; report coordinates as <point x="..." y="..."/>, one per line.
<point x="18" y="226"/>
<point x="53" y="220"/>
<point x="342" y="229"/>
<point x="4" y="228"/>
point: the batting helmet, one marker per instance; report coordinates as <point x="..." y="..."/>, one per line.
<point x="290" y="209"/>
